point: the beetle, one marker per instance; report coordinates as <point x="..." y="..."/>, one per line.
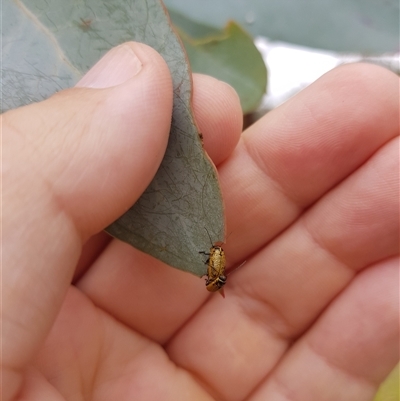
<point x="216" y="262"/>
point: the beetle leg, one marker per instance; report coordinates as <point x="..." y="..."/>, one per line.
<point x="207" y="254"/>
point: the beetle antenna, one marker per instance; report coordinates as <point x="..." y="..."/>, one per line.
<point x="235" y="268"/>
<point x="209" y="237"/>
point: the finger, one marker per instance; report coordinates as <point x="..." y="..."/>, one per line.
<point x="218" y="115"/>
<point x="296" y="153"/>
<point x="73" y="164"/>
<point x="283" y="288"/>
<point x="91" y="250"/>
<point x="157" y="287"/>
<point x="351" y="348"/>
<point x="304" y="268"/>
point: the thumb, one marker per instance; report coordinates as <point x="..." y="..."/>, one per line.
<point x="72" y="165"/>
<point x="92" y="150"/>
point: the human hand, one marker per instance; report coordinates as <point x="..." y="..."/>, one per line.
<point x="311" y="201"/>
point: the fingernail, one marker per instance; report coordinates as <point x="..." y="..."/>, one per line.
<point x="114" y="68"/>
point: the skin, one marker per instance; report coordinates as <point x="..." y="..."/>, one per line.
<point x="311" y="194"/>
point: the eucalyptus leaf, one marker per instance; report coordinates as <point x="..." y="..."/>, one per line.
<point x="193" y="28"/>
<point x="367" y="26"/>
<point x="228" y="55"/>
<point x="49" y="44"/>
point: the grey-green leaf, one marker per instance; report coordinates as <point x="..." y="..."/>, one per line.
<point x="49" y="44"/>
<point x="228" y="55"/>
<point x="367" y="26"/>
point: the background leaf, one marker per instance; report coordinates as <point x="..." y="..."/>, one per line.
<point x="228" y="55"/>
<point x="49" y="44"/>
<point x="366" y="26"/>
<point x="389" y="390"/>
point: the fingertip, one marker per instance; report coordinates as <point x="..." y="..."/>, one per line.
<point x="325" y="132"/>
<point x="218" y="115"/>
<point x="354" y="73"/>
<point x="135" y="135"/>
<point x="366" y="84"/>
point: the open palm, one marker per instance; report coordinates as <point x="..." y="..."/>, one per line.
<point x="311" y="196"/>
